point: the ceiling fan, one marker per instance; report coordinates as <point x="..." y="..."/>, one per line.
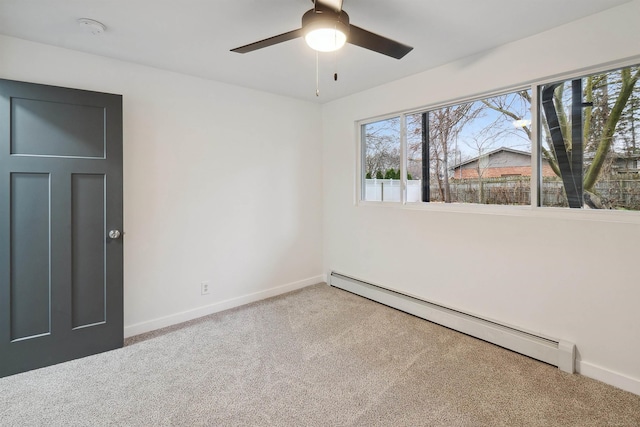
<point x="326" y="28"/>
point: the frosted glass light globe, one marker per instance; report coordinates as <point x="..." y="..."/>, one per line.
<point x="325" y="39"/>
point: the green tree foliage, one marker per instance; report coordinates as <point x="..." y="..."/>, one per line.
<point x="392" y="174"/>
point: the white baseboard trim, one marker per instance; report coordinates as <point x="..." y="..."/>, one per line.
<point x="174" y="319"/>
<point x="549" y="350"/>
<point x="607" y="376"/>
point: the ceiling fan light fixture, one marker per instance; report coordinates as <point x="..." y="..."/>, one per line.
<point x="325" y="39"/>
<point x="325" y="31"/>
<point x="336" y="31"/>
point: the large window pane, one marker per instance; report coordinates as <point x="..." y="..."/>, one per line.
<point x="590" y="141"/>
<point x="478" y="152"/>
<point x="381" y="160"/>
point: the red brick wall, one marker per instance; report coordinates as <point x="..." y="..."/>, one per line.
<point x="500" y="172"/>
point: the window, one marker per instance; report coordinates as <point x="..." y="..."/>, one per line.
<point x="381" y="160"/>
<point x="477" y="152"/>
<point x="591" y="140"/>
<point x="481" y="151"/>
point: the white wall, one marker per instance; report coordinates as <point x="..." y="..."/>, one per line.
<point x="570" y="275"/>
<point x="190" y="145"/>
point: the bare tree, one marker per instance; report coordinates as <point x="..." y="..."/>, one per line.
<point x="612" y="95"/>
<point x="445" y="124"/>
<point x="629" y="77"/>
<point x="382" y="146"/>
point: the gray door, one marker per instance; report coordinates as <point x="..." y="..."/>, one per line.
<point x="60" y="196"/>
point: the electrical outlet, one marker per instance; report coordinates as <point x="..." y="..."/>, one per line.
<point x="204" y="288"/>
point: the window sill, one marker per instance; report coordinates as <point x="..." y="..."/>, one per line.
<point x="613" y="216"/>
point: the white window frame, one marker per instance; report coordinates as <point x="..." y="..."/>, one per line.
<point x="360" y="154"/>
<point x="534" y="208"/>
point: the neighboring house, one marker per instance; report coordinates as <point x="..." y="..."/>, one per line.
<point x="498" y="163"/>
<point x="504" y="162"/>
<point x="627" y="163"/>
<point x="620" y="162"/>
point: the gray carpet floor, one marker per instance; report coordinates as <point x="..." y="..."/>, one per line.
<point x="314" y="357"/>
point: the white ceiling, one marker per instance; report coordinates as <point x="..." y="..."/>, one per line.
<point x="194" y="36"/>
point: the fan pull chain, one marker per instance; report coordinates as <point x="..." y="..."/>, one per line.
<point x="317" y="78"/>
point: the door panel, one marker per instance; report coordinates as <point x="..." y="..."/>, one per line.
<point x="29" y="256"/>
<point x="88" y="281"/>
<point x="60" y="193"/>
<point x="32" y="118"/>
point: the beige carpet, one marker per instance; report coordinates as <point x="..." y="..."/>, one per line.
<point x="315" y="357"/>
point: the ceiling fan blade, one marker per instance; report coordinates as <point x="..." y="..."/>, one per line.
<point x="335" y="5"/>
<point x="269" y="42"/>
<point x="368" y="40"/>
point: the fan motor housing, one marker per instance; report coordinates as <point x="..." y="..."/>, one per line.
<point x="314" y="19"/>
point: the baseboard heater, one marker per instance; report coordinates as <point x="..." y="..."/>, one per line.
<point x="554" y="352"/>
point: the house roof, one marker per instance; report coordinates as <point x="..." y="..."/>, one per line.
<point x="490" y="153"/>
<point x="194" y="37"/>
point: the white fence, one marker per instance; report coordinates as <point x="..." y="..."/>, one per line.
<point x="388" y="190"/>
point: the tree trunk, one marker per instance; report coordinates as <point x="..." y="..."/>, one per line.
<point x="445" y="158"/>
<point x="628" y="82"/>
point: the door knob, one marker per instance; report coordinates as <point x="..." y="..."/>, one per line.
<point x="114" y="234"/>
